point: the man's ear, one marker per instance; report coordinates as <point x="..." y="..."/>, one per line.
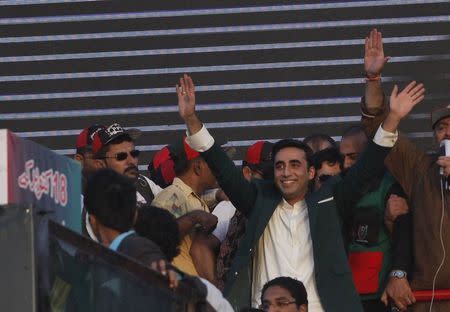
<point x="197" y="166"/>
<point x="99" y="164"/>
<point x="247" y="172"/>
<point x="93" y="222"/>
<point x="79" y="158"/>
<point x="311" y="172"/>
<point x="303" y="308"/>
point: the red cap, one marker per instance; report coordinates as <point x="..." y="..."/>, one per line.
<point x="162" y="167"/>
<point x="107" y="134"/>
<point x="258" y="153"/>
<point x="85" y="138"/>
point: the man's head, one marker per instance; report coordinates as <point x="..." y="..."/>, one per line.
<point x="319" y="141"/>
<point x="190" y="166"/>
<point x="284" y="294"/>
<point x="353" y="143"/>
<point x="84" y="154"/>
<point x="114" y="148"/>
<point x="440" y="122"/>
<point x="110" y="200"/>
<point x="327" y="163"/>
<point x="162" y="167"/>
<point x="258" y="163"/>
<point x="161" y="227"/>
<point x="292" y="169"/>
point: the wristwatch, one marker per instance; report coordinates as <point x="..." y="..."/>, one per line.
<point x="398" y="274"/>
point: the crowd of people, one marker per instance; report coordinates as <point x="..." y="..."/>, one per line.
<point x="301" y="225"/>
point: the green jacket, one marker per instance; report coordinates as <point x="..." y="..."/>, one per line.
<point x="258" y="200"/>
<point x="372" y="205"/>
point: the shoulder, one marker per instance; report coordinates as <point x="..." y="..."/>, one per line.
<point x="173" y="199"/>
<point x="156" y="189"/>
<point x="141" y="249"/>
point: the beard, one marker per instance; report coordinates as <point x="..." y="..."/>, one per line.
<point x="132" y="172"/>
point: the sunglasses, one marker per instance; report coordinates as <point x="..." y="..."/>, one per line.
<point x="123" y="155"/>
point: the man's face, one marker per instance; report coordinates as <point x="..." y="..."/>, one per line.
<point x="87" y="163"/>
<point x="442" y="130"/>
<point x="127" y="167"/>
<point x="291" y="174"/>
<point x="350" y="148"/>
<point x="277" y="298"/>
<point x="327" y="169"/>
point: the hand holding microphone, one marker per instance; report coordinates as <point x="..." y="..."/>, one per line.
<point x="444" y="160"/>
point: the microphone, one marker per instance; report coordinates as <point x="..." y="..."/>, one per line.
<point x="444" y="151"/>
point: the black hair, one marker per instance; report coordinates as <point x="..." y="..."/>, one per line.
<point x="295" y="288"/>
<point x="330" y="155"/>
<point x="354" y="130"/>
<point x="105" y="149"/>
<point x="111" y="198"/>
<point x="161" y="227"/>
<point x="316" y="139"/>
<point x="285" y="143"/>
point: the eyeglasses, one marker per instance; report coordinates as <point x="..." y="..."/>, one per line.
<point x="278" y="304"/>
<point x="123" y="155"/>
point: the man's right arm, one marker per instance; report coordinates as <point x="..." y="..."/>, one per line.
<point x="241" y="193"/>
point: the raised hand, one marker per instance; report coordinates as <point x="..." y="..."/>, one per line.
<point x="402" y="103"/>
<point x="374" y="58"/>
<point x="186" y="104"/>
<point x="186" y="97"/>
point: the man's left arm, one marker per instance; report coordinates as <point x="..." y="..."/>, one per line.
<point x="371" y="162"/>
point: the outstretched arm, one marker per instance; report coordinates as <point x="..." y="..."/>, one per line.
<point x="186" y="104"/>
<point x="241" y="193"/>
<point x="374" y="61"/>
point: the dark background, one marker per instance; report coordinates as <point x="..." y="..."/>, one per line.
<point x="263" y="69"/>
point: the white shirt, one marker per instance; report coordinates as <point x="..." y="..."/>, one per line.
<point x="285" y="249"/>
<point x="224" y="211"/>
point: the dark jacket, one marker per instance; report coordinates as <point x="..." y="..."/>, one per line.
<point x="258" y="200"/>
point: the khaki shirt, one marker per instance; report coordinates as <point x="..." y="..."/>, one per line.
<point x="180" y="199"/>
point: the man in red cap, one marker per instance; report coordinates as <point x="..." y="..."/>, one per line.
<point x="84" y="154"/>
<point x="183" y="198"/>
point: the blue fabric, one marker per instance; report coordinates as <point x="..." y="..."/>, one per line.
<point x="116" y="242"/>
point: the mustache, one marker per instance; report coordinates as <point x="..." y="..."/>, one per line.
<point x="131" y="169"/>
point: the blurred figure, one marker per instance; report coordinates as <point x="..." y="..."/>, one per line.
<point x="84" y="154"/>
<point x="327" y="163"/>
<point x="353" y="143"/>
<point x="111" y="203"/>
<point x="319" y="141"/>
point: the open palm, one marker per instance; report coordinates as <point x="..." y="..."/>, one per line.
<point x="374" y="58"/>
<point x="186" y="97"/>
<point x="402" y="103"/>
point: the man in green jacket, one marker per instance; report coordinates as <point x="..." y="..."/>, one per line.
<point x="290" y="232"/>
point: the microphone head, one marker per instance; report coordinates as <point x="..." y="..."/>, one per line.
<point x="445" y="147"/>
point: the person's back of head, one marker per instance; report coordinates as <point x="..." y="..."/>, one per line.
<point x="111" y="199"/>
<point x="161" y="227"/>
<point x="319" y="141"/>
<point x="258" y="163"/>
<point x="327" y="163"/>
<point x="190" y="167"/>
